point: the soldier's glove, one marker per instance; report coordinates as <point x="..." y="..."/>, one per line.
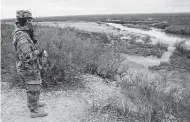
<point x="34" y="41"/>
<point x="41" y="53"/>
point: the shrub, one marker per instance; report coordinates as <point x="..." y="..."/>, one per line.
<point x="8" y="58"/>
<point x="73" y="52"/>
<point x="140" y="26"/>
<point x="161" y="66"/>
<point x="155" y="98"/>
<point x="179" y="60"/>
<point x="180" y="57"/>
<point x="7" y="49"/>
<point x="161" y="25"/>
<point x="178" y="29"/>
<point x="181" y="47"/>
<point x="142" y="49"/>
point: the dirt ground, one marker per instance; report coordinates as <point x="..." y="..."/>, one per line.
<point x="62" y="106"/>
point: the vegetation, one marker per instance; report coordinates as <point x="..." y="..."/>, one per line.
<point x="144" y="27"/>
<point x="73" y="52"/>
<point x="8" y="70"/>
<point x="160" y="25"/>
<point x="151" y="100"/>
<point x="179" y="60"/>
<point x="144" y="48"/>
<point x="178" y="29"/>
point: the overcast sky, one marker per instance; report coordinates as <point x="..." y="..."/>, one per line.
<point x="83" y="7"/>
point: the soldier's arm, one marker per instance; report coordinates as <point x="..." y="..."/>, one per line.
<point x="26" y="47"/>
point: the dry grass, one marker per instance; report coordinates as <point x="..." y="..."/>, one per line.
<point x="179" y="60"/>
<point x="146" y="98"/>
<point x="143" y="48"/>
<point x="132" y="97"/>
<point x="71" y="53"/>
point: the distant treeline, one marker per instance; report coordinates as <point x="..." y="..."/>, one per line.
<point x="175" y="18"/>
<point x="178" y="23"/>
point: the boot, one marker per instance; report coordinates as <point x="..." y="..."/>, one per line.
<point x="41" y="104"/>
<point x="37" y="113"/>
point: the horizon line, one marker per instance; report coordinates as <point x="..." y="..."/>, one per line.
<point x="103" y="14"/>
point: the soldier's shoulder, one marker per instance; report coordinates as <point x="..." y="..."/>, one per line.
<point x="20" y="37"/>
<point x="19" y="33"/>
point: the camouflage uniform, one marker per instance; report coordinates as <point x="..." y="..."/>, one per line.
<point x="27" y="63"/>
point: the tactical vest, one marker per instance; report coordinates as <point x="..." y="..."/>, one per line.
<point x="24" y="61"/>
<point x="30" y="33"/>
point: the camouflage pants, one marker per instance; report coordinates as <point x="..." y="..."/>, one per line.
<point x="33" y="93"/>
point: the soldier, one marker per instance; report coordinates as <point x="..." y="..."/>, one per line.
<point x="27" y="61"/>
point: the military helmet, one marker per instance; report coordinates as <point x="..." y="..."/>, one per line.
<point x="23" y="14"/>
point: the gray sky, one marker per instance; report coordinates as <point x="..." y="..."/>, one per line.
<point x="83" y="7"/>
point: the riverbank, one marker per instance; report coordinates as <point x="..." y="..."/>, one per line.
<point x="178" y="29"/>
<point x="164" y="26"/>
<point x="179" y="59"/>
<point x="144" y="27"/>
<point x="143" y="45"/>
<point x="134" y="42"/>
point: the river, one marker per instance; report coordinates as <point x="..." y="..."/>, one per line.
<point x="157" y="33"/>
<point x="170" y="39"/>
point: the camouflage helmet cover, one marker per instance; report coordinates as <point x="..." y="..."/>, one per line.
<point x="23" y="14"/>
